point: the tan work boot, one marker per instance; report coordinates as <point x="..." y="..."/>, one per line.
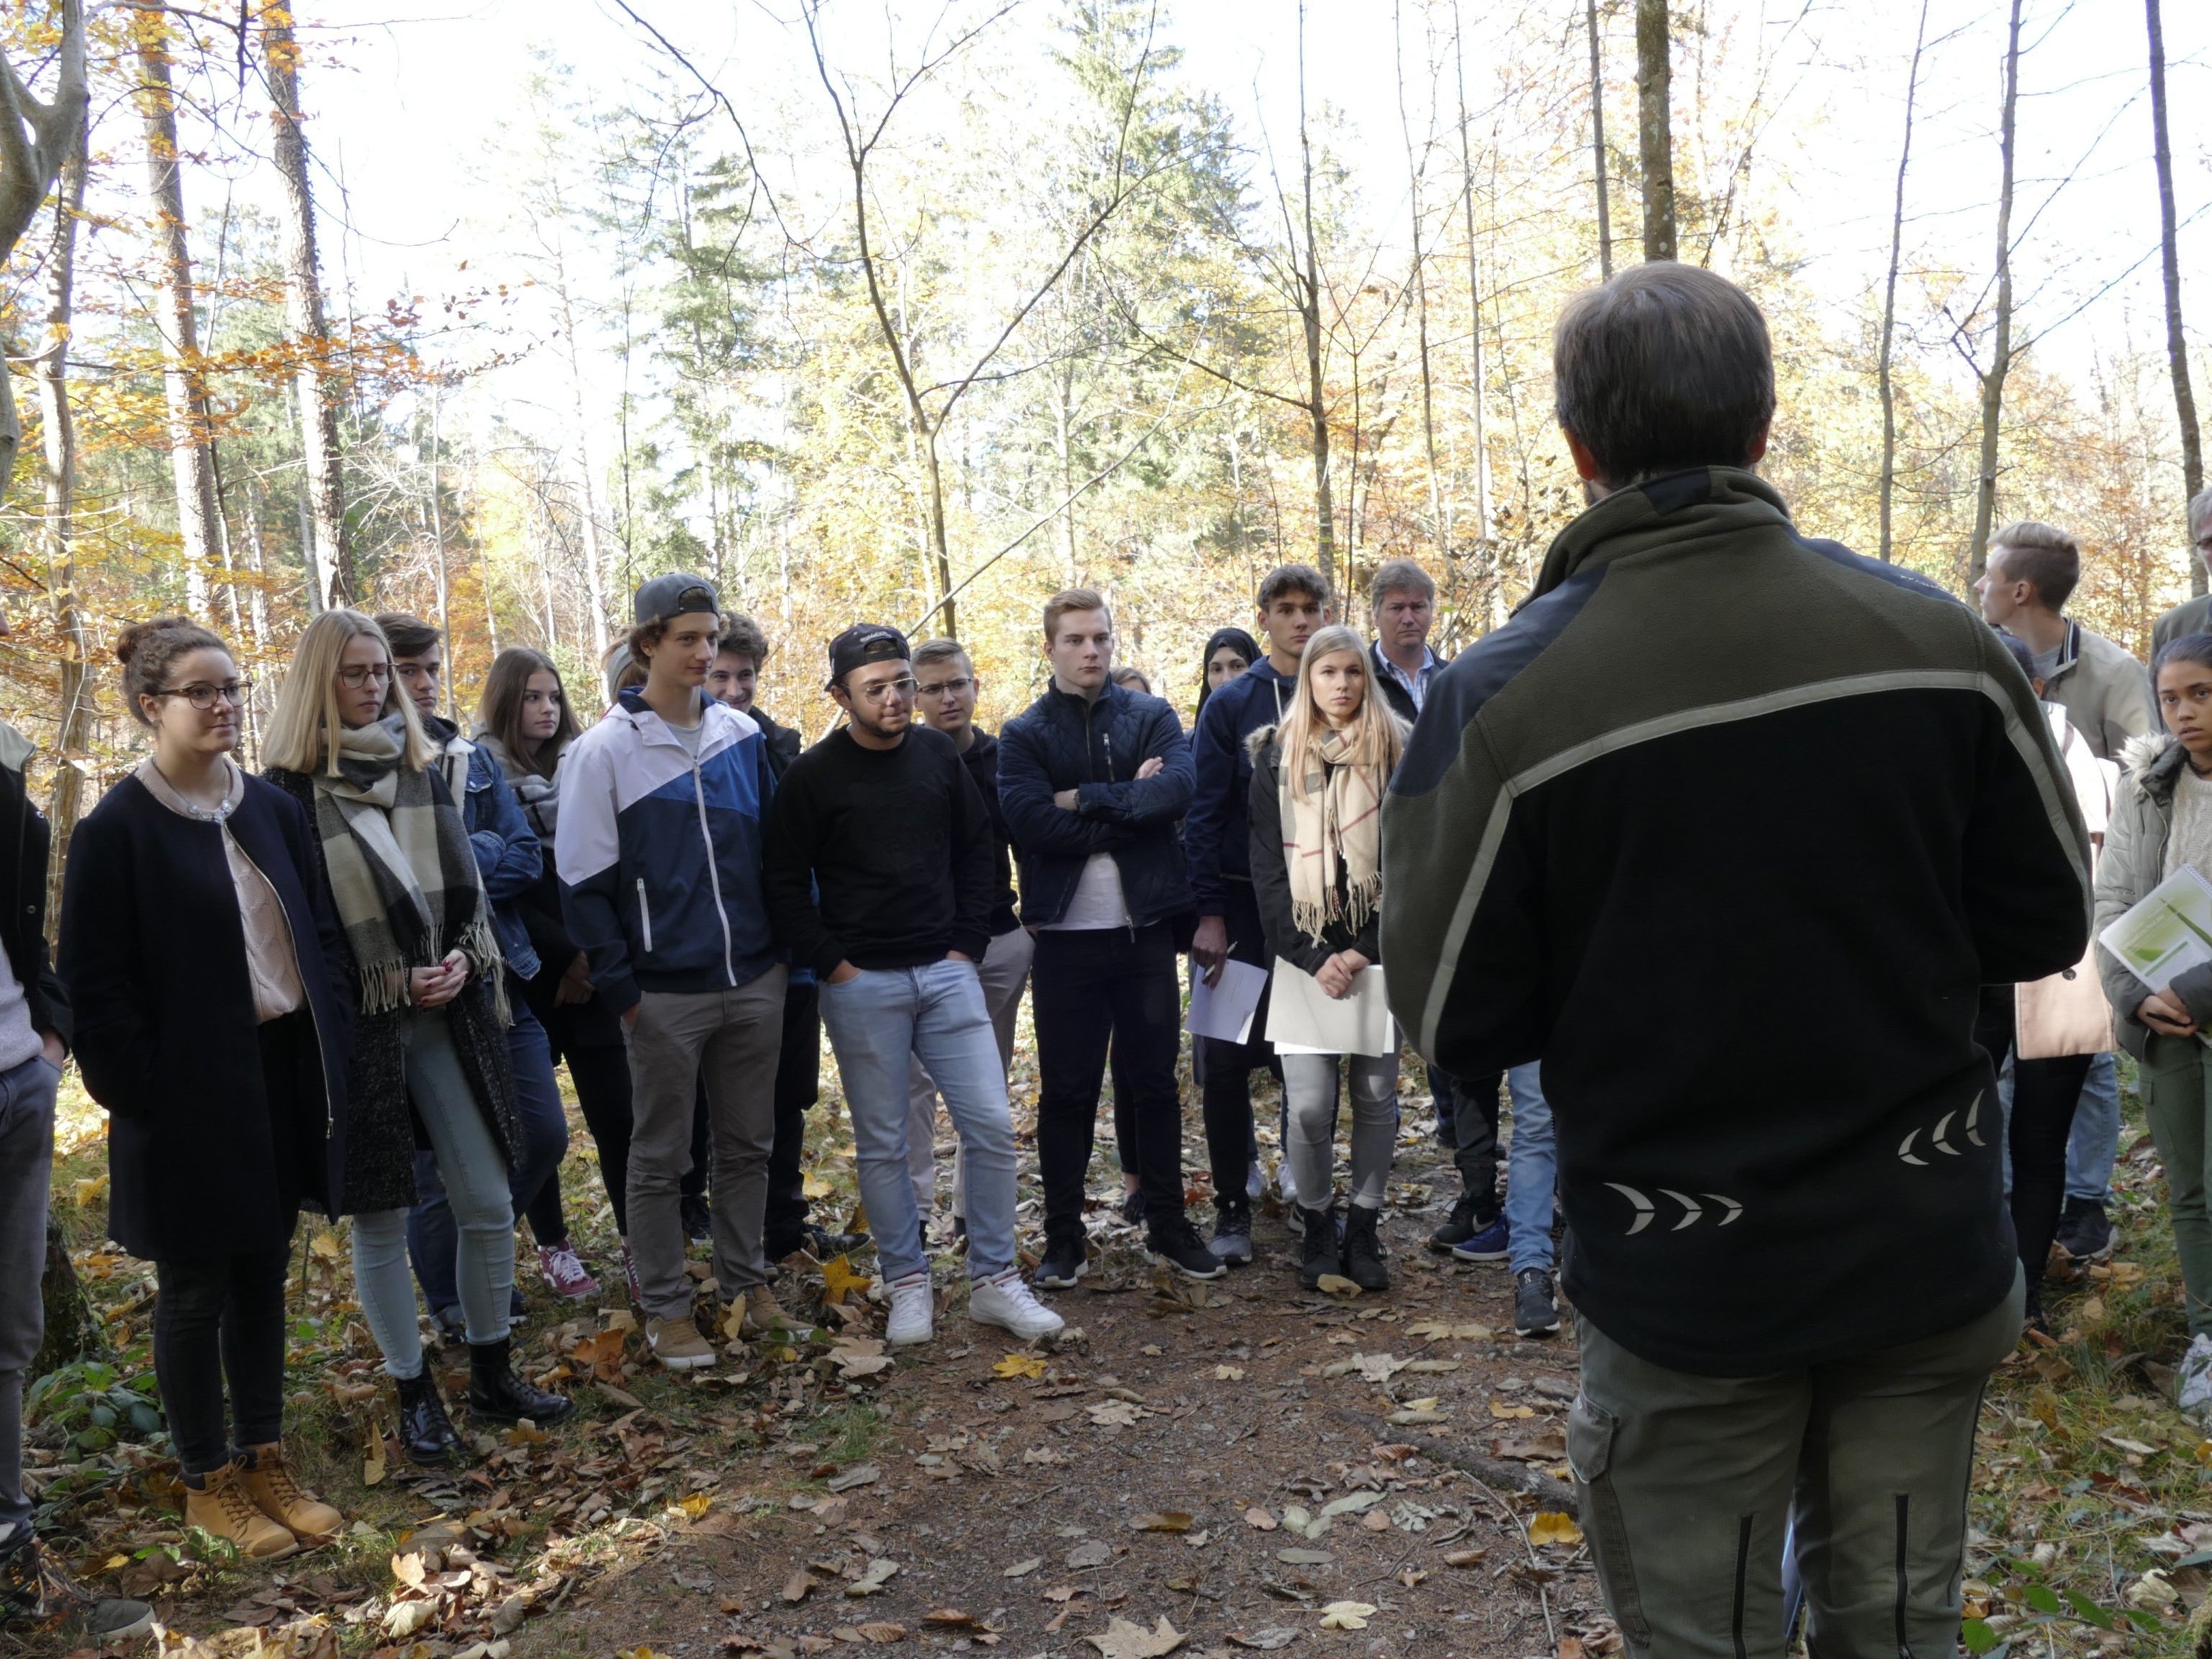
<point x="223" y="1508"/>
<point x="677" y="1344"/>
<point x="763" y="1313"/>
<point x="270" y="1484"/>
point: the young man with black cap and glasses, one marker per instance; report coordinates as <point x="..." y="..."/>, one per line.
<point x="658" y="850"/>
<point x="881" y="875"/>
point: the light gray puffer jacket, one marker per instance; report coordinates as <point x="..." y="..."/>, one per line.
<point x="2134" y="862"/>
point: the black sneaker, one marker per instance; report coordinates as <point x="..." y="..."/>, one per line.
<point x="1133" y="1207"/>
<point x="1062" y="1266"/>
<point x="2085" y="1231"/>
<point x="1232" y="1234"/>
<point x="1319" y="1254"/>
<point x="1536" y="1310"/>
<point x="1466" y="1220"/>
<point x="822" y="1243"/>
<point x="1176" y="1245"/>
<point x="698" y="1220"/>
<point x="34" y="1592"/>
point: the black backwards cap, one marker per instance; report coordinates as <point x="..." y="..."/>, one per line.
<point x="863" y="643"/>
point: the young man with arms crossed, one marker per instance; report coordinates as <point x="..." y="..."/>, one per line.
<point x="1625" y="819"/>
<point x="1095" y="779"/>
<point x="880" y="874"/>
<point x="946" y="685"/>
<point x="658" y="847"/>
<point x="1294" y="600"/>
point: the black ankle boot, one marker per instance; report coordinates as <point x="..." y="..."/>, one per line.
<point x="1363" y="1249"/>
<point x="497" y="1394"/>
<point x="426" y="1433"/>
<point x="1319" y="1254"/>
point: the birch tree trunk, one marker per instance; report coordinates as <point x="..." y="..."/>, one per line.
<point x="1655" y="128"/>
<point x="1886" y="383"/>
<point x="190" y="466"/>
<point x="73" y="726"/>
<point x="332" y="579"/>
<point x="1993" y="379"/>
<point x="35" y="139"/>
<point x="1309" y="281"/>
<point x="1475" y="388"/>
<point x="1414" y="170"/>
<point x="1597" y="143"/>
<point x="594" y="574"/>
<point x="2177" y="346"/>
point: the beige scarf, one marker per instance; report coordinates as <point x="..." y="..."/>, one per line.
<point x="1333" y="838"/>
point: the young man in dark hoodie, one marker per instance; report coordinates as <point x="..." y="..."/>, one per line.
<point x="1294" y="600"/>
<point x="1661" y="836"/>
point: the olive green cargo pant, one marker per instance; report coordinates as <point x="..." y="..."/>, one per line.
<point x="1687" y="1485"/>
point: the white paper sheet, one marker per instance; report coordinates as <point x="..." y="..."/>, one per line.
<point x="1226" y="1009"/>
<point x="1303" y="1018"/>
<point x="2169" y="932"/>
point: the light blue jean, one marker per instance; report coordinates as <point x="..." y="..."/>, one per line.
<point x="2094" y="1146"/>
<point x="474" y="1171"/>
<point x="879" y="1023"/>
<point x="1532" y="1172"/>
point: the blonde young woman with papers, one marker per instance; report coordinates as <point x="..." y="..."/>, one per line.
<point x="1317" y="784"/>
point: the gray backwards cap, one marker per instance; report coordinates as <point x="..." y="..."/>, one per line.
<point x="677" y="595"/>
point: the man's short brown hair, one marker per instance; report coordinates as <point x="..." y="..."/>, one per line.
<point x="408" y="634"/>
<point x="1071" y="599"/>
<point x="1399" y="576"/>
<point x="940" y="650"/>
<point x="742" y="637"/>
<point x="1666" y="368"/>
<point x="2041" y="555"/>
<point x="1293" y="578"/>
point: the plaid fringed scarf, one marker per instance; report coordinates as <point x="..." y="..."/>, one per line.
<point x="401" y="873"/>
<point x="1332" y="836"/>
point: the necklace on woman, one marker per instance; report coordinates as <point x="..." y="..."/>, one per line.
<point x="204" y="814"/>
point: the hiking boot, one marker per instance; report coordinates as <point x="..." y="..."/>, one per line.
<point x="220" y="1506"/>
<point x="1363" y="1248"/>
<point x="2192" y="1386"/>
<point x="35" y="1591"/>
<point x="698" y="1220"/>
<point x="1005" y="1302"/>
<point x="2085" y="1231"/>
<point x="1176" y="1245"/>
<point x="1535" y="1309"/>
<point x="1319" y="1254"/>
<point x="1133" y="1207"/>
<point x="914" y="1311"/>
<point x="1063" y="1264"/>
<point x="764" y="1314"/>
<point x="268" y="1481"/>
<point x="500" y="1393"/>
<point x="1232" y="1233"/>
<point x="1489" y="1243"/>
<point x="677" y="1344"/>
<point x="426" y="1433"/>
<point x="1467" y="1220"/>
<point x="565" y="1273"/>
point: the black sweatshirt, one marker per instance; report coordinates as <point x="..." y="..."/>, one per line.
<point x="897" y="842"/>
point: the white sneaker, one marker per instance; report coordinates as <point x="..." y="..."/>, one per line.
<point x="914" y="1311"/>
<point x="1256" y="1183"/>
<point x="1010" y="1304"/>
<point x="2192" y="1390"/>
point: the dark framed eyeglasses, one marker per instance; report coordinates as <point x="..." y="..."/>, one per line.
<point x="941" y="688"/>
<point x="204" y="696"/>
<point x="357" y="675"/>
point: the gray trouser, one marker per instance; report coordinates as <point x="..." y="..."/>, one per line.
<point x="1687" y="1485"/>
<point x="1004" y="970"/>
<point x="730" y="1039"/>
<point x="27" y="1167"/>
<point x="1310" y="1091"/>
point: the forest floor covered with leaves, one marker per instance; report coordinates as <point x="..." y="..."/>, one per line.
<point x="1198" y="1469"/>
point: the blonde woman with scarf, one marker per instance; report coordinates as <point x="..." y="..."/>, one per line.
<point x="429" y="1052"/>
<point x="1317" y="784"/>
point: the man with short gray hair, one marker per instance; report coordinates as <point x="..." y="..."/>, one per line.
<point x="2190" y="616"/>
<point x="1403" y="599"/>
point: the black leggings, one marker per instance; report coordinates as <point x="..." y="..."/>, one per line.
<point x="2045" y="1093"/>
<point x="220" y="1318"/>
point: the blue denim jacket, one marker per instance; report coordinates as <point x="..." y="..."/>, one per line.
<point x="508" y="856"/>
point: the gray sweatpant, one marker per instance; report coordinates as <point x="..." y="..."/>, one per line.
<point x="27" y="1169"/>
<point x="731" y="1039"/>
<point x="1688" y="1483"/>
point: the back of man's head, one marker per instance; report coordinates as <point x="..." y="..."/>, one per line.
<point x="1667" y="367"/>
<point x="2041" y="555"/>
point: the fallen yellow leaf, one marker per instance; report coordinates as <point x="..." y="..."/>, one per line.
<point x="89" y="1192"/>
<point x="1019" y="1365"/>
<point x="817" y="1187"/>
<point x="1346" y="1615"/>
<point x="696" y="1505"/>
<point x="1553" y="1528"/>
<point x="1228" y="1373"/>
<point x="839" y="1280"/>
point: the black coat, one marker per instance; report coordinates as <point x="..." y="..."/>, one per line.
<point x="380" y="1132"/>
<point x="153" y="950"/>
<point x="25" y="842"/>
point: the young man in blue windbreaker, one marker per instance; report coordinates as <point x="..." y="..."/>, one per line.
<point x="658" y="851"/>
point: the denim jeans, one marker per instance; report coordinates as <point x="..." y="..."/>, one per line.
<point x="1532" y="1172"/>
<point x="27" y="1166"/>
<point x="879" y="1022"/>
<point x="218" y="1319"/>
<point x="474" y="1171"/>
<point x="432" y="1240"/>
<point x="1005" y="969"/>
<point x="2094" y="1145"/>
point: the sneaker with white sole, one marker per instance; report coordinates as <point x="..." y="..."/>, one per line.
<point x="1010" y="1304"/>
<point x="565" y="1273"/>
<point x="914" y="1311"/>
<point x="677" y="1344"/>
<point x="2192" y="1388"/>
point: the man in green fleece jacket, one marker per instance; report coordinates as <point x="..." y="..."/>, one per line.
<point x="1727" y="828"/>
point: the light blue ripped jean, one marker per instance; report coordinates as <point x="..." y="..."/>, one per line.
<point x="1532" y="1170"/>
<point x="474" y="1171"/>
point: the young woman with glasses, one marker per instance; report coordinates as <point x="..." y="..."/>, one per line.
<point x="429" y="1045"/>
<point x="200" y="948"/>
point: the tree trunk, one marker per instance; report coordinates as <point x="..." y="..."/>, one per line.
<point x="1597" y="145"/>
<point x="2177" y="349"/>
<point x="594" y="576"/>
<point x="1309" y="314"/>
<point x="1985" y="488"/>
<point x="1475" y="283"/>
<point x="35" y="138"/>
<point x="438" y="546"/>
<point x="1885" y="381"/>
<point x="182" y="381"/>
<point x="73" y="1330"/>
<point x="73" y="726"/>
<point x="1655" y="128"/>
<point x="1414" y="170"/>
<point x="334" y="581"/>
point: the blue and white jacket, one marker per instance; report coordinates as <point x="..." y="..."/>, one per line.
<point x="660" y="859"/>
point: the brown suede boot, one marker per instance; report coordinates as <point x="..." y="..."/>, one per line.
<point x="222" y="1506"/>
<point x="262" y="1470"/>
